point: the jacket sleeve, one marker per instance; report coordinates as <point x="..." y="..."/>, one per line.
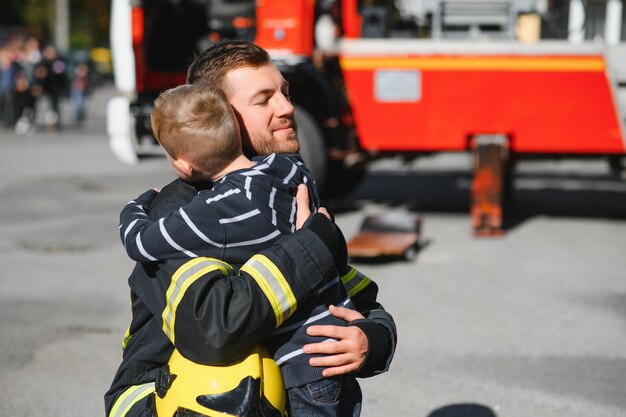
<point x="213" y="314"/>
<point x="176" y="235"/>
<point x="378" y="325"/>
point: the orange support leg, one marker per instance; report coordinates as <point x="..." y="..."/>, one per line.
<point x="490" y="160"/>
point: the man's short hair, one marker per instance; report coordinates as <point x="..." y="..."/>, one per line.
<point x="211" y="66"/>
<point x="196" y="123"/>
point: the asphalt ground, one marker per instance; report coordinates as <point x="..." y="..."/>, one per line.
<point x="532" y="323"/>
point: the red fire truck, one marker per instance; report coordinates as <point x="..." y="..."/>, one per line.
<point x="366" y="86"/>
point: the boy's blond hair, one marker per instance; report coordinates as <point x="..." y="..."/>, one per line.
<point x="196" y="123"/>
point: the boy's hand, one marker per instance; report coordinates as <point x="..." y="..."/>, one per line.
<point x="302" y="207"/>
<point x="344" y="355"/>
<point x="325" y="212"/>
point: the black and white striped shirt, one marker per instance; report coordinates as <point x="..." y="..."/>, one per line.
<point x="245" y="212"/>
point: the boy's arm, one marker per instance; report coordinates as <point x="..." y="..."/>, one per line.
<point x="177" y="235"/>
<point x="136" y="212"/>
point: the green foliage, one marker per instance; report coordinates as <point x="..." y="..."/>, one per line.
<point x="89" y="19"/>
<point x="80" y="40"/>
<point x="89" y="22"/>
<point x="38" y="13"/>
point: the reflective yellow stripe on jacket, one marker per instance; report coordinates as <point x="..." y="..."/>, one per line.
<point x="355" y="282"/>
<point x="186" y="275"/>
<point x="129" y="398"/>
<point x="274" y="286"/>
<point x="128" y="336"/>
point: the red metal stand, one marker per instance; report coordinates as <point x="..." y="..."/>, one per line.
<point x="490" y="159"/>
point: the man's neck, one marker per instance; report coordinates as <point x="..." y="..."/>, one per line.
<point x="241" y="162"/>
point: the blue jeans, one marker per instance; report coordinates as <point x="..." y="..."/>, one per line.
<point x="330" y="397"/>
<point x="79" y="100"/>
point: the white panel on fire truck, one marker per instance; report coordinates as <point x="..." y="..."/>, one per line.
<point x="122" y="46"/>
<point x="398" y="85"/>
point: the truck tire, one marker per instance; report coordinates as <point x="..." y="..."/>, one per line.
<point x="344" y="180"/>
<point x="312" y="146"/>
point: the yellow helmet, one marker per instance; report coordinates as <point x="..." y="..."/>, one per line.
<point x="252" y="386"/>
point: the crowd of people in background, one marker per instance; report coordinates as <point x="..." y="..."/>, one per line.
<point x="30" y="75"/>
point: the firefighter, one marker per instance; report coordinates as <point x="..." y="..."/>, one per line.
<point x="213" y="315"/>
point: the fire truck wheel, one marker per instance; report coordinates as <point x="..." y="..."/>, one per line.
<point x="312" y="146"/>
<point x="617" y="165"/>
<point x="343" y="181"/>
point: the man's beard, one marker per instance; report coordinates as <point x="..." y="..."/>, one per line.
<point x="268" y="144"/>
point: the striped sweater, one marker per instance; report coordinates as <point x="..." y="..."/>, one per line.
<point x="245" y="212"/>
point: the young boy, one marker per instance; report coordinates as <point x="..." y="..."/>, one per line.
<point x="251" y="204"/>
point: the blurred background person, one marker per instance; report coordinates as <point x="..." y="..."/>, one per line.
<point x="8" y="71"/>
<point x="24" y="105"/>
<point x="51" y="74"/>
<point x="26" y="89"/>
<point x="79" y="91"/>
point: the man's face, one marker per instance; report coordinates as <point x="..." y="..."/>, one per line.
<point x="260" y="97"/>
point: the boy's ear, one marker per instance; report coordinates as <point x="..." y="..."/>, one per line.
<point x="183" y="166"/>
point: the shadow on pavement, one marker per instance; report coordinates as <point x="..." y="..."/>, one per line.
<point x="533" y="194"/>
<point x="463" y="410"/>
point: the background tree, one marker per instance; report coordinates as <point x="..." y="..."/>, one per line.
<point x="89" y="20"/>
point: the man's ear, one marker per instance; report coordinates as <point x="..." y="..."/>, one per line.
<point x="183" y="166"/>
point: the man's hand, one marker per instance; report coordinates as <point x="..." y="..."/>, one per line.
<point x="302" y="207"/>
<point x="344" y="355"/>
